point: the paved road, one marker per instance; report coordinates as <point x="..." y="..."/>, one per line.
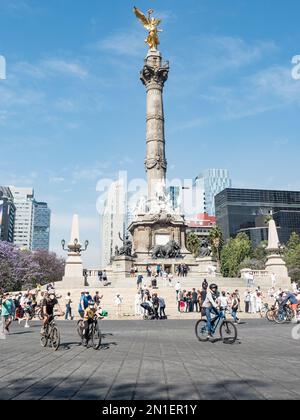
<point x="152" y="360"/>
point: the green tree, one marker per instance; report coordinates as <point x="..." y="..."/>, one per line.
<point x="292" y="257"/>
<point x="193" y="243"/>
<point x="234" y="252"/>
<point x="216" y="242"/>
<point x="260" y="252"/>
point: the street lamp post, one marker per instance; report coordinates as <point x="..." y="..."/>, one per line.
<point x="74" y="247"/>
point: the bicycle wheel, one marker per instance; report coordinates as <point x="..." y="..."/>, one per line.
<point x="280" y="317"/>
<point x="80" y="328"/>
<point x="55" y="338"/>
<point x="228" y="332"/>
<point x="96" y="336"/>
<point x="45" y="338"/>
<point x="270" y="315"/>
<point x="201" y="330"/>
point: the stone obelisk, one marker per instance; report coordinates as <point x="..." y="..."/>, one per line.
<point x="73" y="277"/>
<point x="275" y="264"/>
<point x="153" y="76"/>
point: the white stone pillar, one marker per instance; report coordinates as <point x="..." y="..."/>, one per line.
<point x="154" y="76"/>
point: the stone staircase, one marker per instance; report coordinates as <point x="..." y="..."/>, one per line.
<point x="127" y="289"/>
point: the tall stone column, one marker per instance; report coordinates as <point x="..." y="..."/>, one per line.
<point x="153" y="76"/>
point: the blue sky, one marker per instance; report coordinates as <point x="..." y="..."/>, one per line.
<point x="72" y="109"/>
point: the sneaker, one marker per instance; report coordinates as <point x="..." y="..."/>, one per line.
<point x="27" y="326"/>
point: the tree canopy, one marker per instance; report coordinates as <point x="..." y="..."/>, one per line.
<point x="25" y="269"/>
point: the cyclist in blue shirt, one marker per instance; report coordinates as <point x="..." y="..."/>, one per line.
<point x="85" y="298"/>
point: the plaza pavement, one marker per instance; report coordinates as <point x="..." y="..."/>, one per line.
<point x="152" y="360"/>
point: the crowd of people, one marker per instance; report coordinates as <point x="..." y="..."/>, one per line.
<point x="149" y="305"/>
<point x="193" y="301"/>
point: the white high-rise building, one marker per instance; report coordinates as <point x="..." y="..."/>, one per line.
<point x="114" y="220"/>
<point x="207" y="185"/>
<point x="23" y="230"/>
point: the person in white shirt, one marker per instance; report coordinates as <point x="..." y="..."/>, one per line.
<point x="259" y="304"/>
<point x="137" y="304"/>
<point x="118" y="303"/>
<point x="253" y="302"/>
<point x="223" y="301"/>
<point x="177" y="288"/>
<point x="170" y="278"/>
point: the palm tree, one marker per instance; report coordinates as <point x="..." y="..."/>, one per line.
<point x="193" y="244"/>
<point x="216" y="241"/>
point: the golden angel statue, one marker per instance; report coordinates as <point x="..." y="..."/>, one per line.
<point x="151" y="24"/>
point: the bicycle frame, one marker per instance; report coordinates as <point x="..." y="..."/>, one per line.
<point x="217" y="320"/>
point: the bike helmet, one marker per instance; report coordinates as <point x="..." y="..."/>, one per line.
<point x="213" y="286"/>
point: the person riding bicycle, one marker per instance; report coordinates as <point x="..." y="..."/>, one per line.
<point x="48" y="305"/>
<point x="88" y="318"/>
<point x="292" y="299"/>
<point x="211" y="306"/>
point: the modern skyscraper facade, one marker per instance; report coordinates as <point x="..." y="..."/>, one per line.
<point x="243" y="210"/>
<point x="207" y="185"/>
<point x="174" y="194"/>
<point x="41" y="226"/>
<point x="23" y="199"/>
<point x="7" y="215"/>
<point x="114" y="220"/>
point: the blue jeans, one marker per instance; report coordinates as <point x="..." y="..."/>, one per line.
<point x="68" y="312"/>
<point x="208" y="312"/>
<point x="234" y="315"/>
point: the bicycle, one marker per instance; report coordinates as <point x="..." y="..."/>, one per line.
<point x="52" y="335"/>
<point x="227" y="330"/>
<point x="94" y="336"/>
<point x="284" y="314"/>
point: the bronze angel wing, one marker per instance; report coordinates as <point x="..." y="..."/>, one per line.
<point x="141" y="16"/>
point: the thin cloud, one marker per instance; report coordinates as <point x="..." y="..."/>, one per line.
<point x="65" y="67"/>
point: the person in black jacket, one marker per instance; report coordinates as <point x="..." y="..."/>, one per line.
<point x="155" y="302"/>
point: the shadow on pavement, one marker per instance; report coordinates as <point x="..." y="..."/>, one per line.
<point x="99" y="389"/>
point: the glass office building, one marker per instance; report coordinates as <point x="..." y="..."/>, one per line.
<point x="41" y="226"/>
<point x="207" y="185"/>
<point x="244" y="210"/>
<point x="7" y="215"/>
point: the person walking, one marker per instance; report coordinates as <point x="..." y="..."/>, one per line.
<point x="247" y="299"/>
<point x="234" y="308"/>
<point x="139" y="281"/>
<point x="97" y="299"/>
<point x="195" y="301"/>
<point x="118" y="303"/>
<point x="104" y="278"/>
<point x="7" y="310"/>
<point x="137" y="304"/>
<point x="68" y="302"/>
<point x="177" y="287"/>
<point x="162" y="308"/>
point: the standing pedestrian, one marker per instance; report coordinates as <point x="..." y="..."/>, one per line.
<point x="118" y="303"/>
<point x="68" y="302"/>
<point x="234" y="308"/>
<point x="247" y="298"/>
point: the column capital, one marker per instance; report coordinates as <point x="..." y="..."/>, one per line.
<point x="155" y="75"/>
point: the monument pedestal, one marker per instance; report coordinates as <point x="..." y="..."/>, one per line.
<point x="276" y="265"/>
<point x="207" y="266"/>
<point x="121" y="266"/>
<point x="73" y="278"/>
